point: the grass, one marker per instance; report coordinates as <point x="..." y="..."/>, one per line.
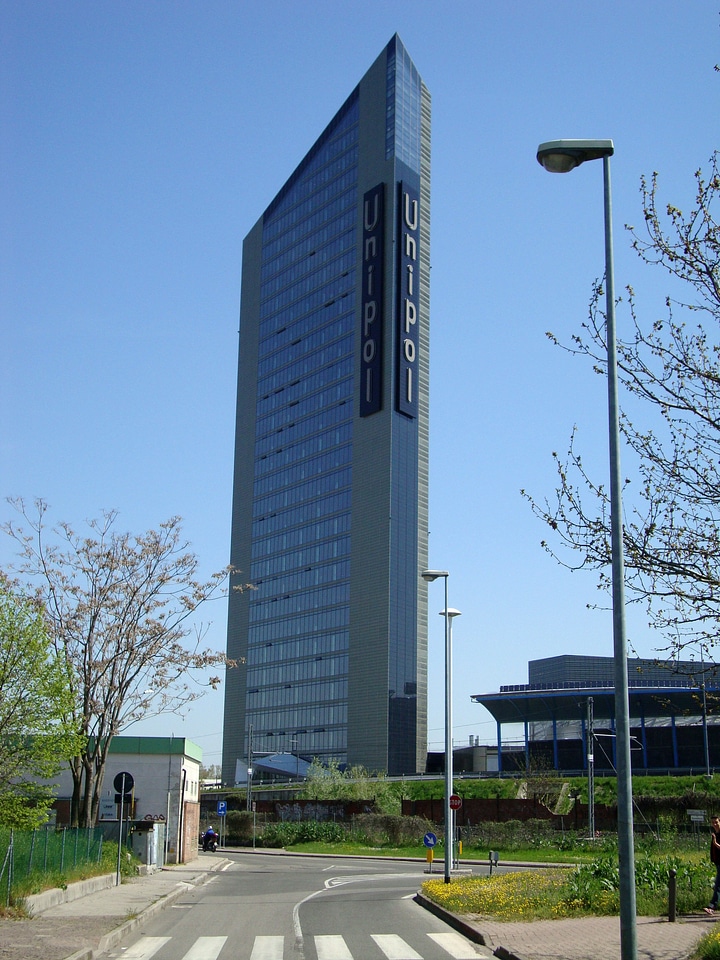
<point x="708" y="948"/>
<point x="418" y="851"/>
<point x="509" y="896"/>
<point x="591" y="889"/>
<point x="38" y="882"/>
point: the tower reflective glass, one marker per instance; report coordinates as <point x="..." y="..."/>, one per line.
<point x="329" y="517"/>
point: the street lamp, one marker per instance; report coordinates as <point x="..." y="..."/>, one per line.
<point x="293" y="741"/>
<point x="248" y="792"/>
<point x="430" y="576"/>
<point x="449" y="758"/>
<point x="561" y="156"/>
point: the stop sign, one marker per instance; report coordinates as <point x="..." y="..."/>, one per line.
<point x="455" y="802"/>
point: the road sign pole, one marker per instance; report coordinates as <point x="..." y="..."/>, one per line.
<point x="122" y="782"/>
<point x="120" y="822"/>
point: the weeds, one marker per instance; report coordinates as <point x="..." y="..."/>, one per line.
<point x="590" y="889"/>
<point x="708" y="948"/>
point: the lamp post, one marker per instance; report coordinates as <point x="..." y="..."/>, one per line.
<point x="430" y="576"/>
<point x="294" y="743"/>
<point x="248" y="792"/>
<point x="704" y="716"/>
<point x="561" y="156"/>
<point x="450" y="615"/>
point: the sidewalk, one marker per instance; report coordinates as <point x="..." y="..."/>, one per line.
<point x="98" y="919"/>
<point x="586" y="938"/>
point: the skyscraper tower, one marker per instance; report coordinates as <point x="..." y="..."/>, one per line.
<point x="330" y="504"/>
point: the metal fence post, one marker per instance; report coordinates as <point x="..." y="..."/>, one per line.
<point x="11" y="853"/>
<point x="672" y="896"/>
<point x="32" y="851"/>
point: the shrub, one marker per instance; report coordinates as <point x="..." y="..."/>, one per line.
<point x="708" y="948"/>
<point x="239" y="826"/>
<point x="592" y="888"/>
<point x="301" y="831"/>
<point x="595" y="886"/>
<point x="378" y="829"/>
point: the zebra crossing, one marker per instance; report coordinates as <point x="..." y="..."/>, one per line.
<point x="327" y="947"/>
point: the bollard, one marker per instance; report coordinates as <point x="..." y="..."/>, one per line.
<point x="494" y="857"/>
<point x="672" y="896"/>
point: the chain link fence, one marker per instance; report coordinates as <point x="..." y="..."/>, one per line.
<point x="28" y="853"/>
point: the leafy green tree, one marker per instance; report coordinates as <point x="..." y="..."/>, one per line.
<point x="120" y="609"/>
<point x="669" y="369"/>
<point x="329" y="782"/>
<point x="37" y="732"/>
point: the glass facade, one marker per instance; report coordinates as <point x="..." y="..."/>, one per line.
<point x="402" y="134"/>
<point x="297" y="661"/>
<point x="309" y="470"/>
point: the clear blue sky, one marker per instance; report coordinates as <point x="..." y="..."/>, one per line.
<point x="139" y="142"/>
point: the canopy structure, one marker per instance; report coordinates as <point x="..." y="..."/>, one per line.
<point x="288" y="765"/>
<point x="284" y="764"/>
<point x="527" y="703"/>
<point x="659" y="699"/>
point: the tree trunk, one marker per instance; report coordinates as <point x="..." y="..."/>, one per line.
<point x="76" y="771"/>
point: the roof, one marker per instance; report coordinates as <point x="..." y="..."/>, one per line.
<point x="527" y="703"/>
<point x="164" y="746"/>
<point x="289" y="764"/>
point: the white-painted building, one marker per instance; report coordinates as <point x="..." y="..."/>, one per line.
<point x="165" y="774"/>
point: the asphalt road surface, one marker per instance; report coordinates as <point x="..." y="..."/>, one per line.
<point x="265" y="907"/>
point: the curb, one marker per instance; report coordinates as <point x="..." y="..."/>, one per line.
<point x="453" y="920"/>
<point x="466" y="929"/>
<point x="115" y="936"/>
<point x="38" y="903"/>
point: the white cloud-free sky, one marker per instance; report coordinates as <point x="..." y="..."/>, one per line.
<point x="139" y="143"/>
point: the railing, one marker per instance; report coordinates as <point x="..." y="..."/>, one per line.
<point x="24" y="853"/>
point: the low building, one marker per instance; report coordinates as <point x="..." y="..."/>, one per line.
<point x="165" y="773"/>
<point x="569" y="704"/>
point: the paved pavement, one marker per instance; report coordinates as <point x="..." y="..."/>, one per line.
<point x="99" y="918"/>
<point x="100" y="914"/>
<point x="588" y="938"/>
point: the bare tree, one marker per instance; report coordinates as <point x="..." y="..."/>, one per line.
<point x="670" y="371"/>
<point x="120" y="610"/>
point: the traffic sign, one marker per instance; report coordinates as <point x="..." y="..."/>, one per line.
<point x="222" y="808"/>
<point x="123" y="782"/>
<point x="455" y="802"/>
<point x="430" y="840"/>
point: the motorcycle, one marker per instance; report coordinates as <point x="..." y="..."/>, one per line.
<point x="209" y="843"/>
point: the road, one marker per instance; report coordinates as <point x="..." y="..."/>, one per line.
<point x="270" y="907"/>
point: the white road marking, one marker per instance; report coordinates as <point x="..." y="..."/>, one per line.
<point x="267" y="948"/>
<point x="332" y="948"/>
<point x="458" y="947"/>
<point x="206" y="948"/>
<point x="145" y="948"/>
<point x="394" y="947"/>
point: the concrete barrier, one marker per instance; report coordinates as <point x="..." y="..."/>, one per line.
<point x="39" y="902"/>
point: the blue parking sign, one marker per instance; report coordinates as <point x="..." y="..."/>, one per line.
<point x="221" y="808"/>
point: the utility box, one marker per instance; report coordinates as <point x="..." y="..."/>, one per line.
<point x="148" y="842"/>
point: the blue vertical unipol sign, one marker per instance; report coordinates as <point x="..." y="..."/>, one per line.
<point x="408" y="304"/>
<point x="373" y="235"/>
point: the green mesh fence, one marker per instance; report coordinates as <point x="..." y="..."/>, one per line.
<point x="28" y="853"/>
